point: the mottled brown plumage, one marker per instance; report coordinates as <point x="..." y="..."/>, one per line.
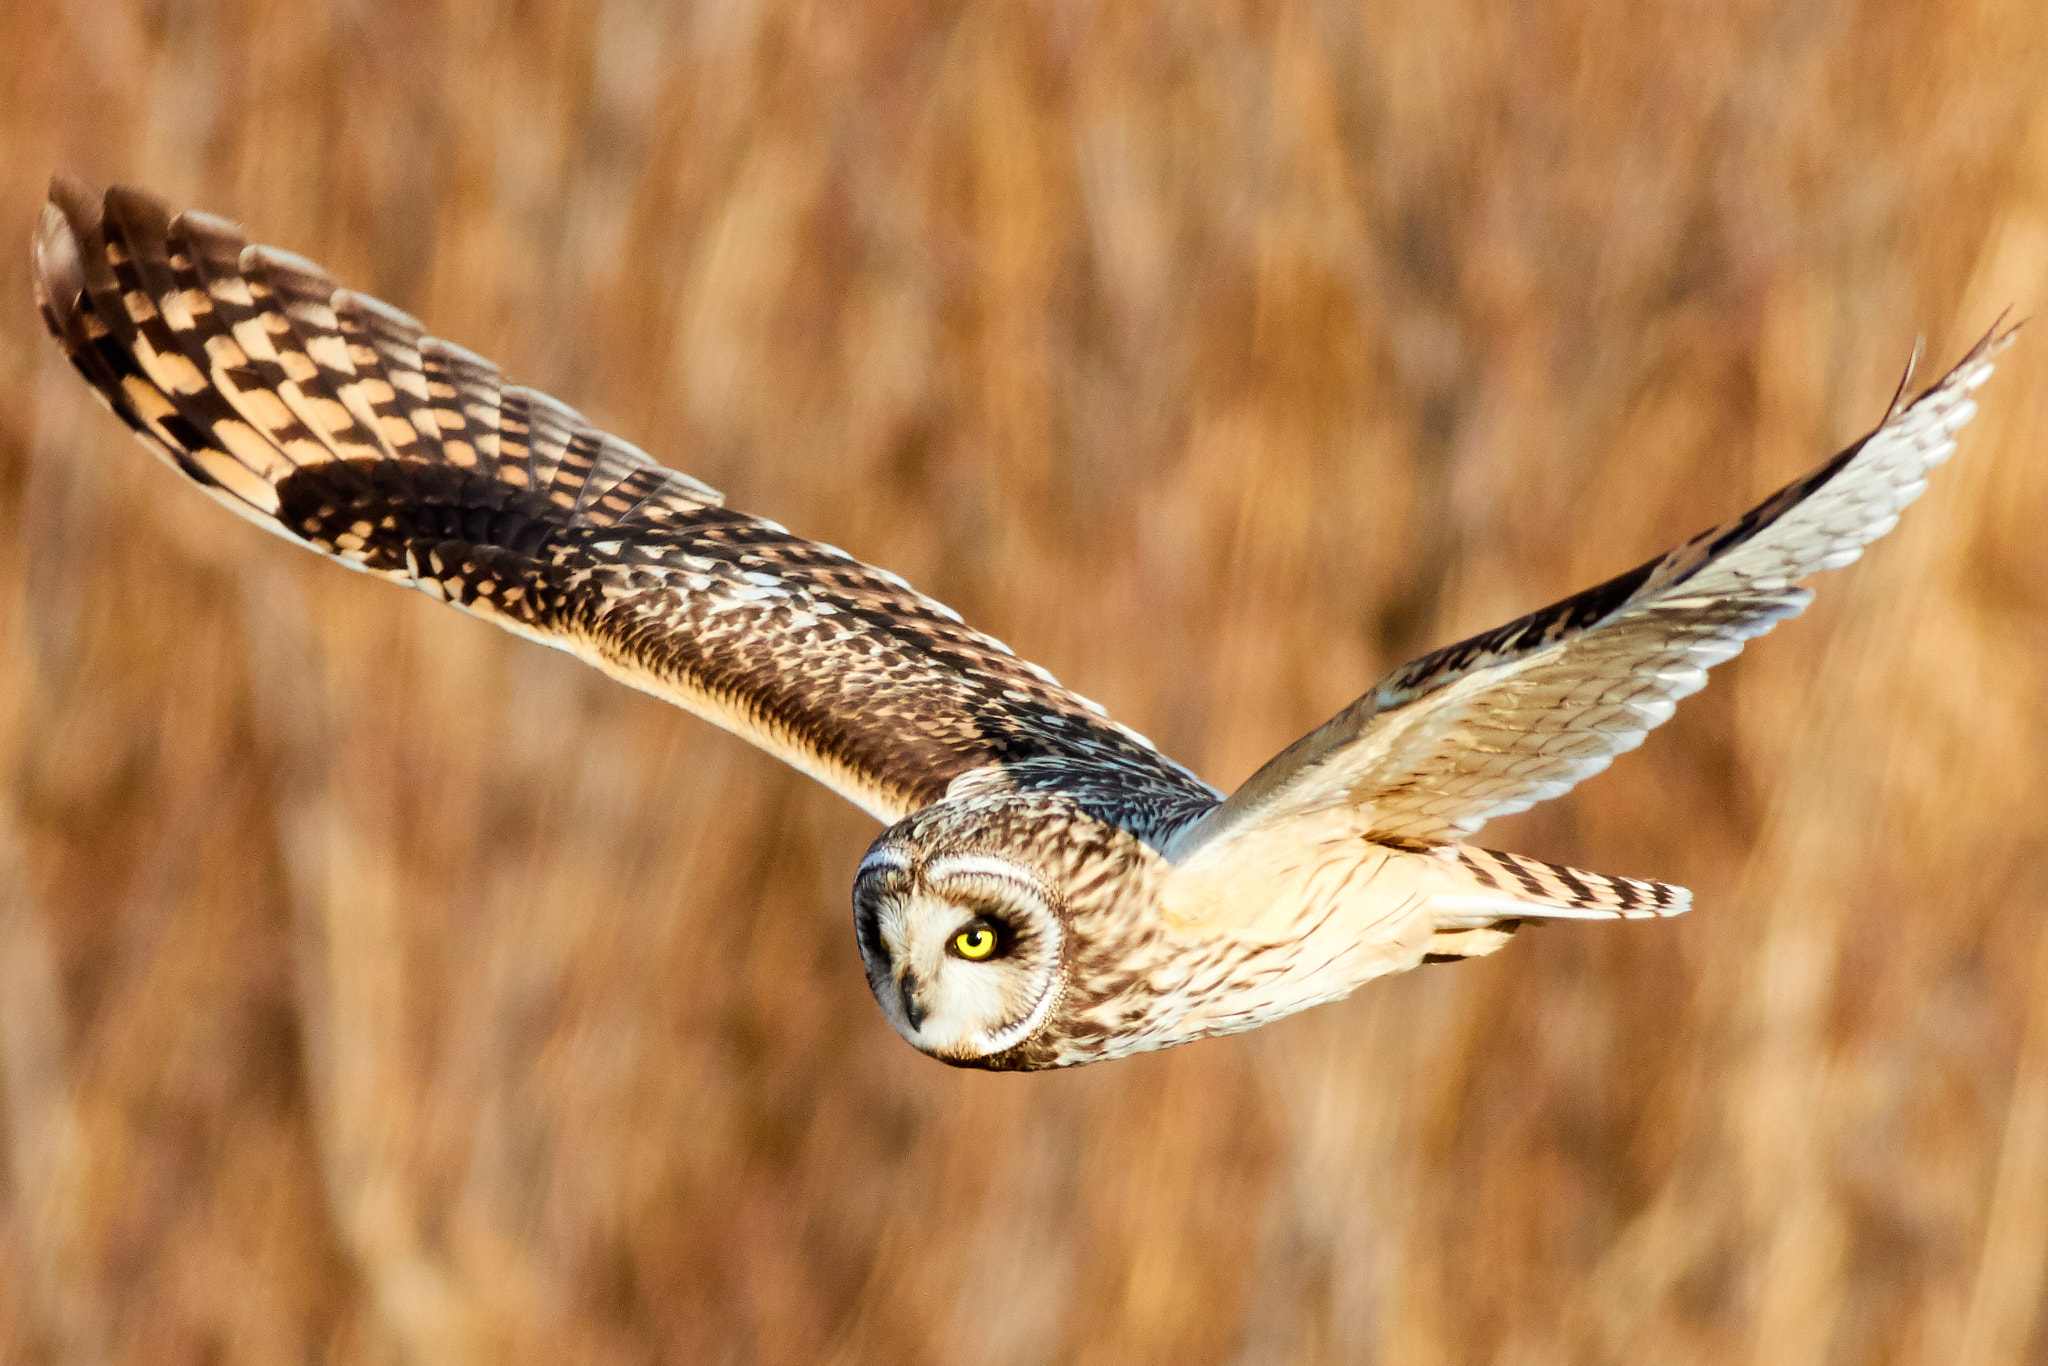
<point x="332" y="419"/>
<point x="1054" y="890"/>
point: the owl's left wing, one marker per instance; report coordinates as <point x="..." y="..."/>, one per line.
<point x="332" y="420"/>
<point x="1519" y="714"/>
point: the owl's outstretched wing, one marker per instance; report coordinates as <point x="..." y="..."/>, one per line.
<point x="329" y="418"/>
<point x="1520" y="714"/>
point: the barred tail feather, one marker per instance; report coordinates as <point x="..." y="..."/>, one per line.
<point x="1500" y="886"/>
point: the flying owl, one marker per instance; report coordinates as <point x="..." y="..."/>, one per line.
<point x="1050" y="889"/>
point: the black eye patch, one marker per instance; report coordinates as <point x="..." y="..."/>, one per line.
<point x="867" y="929"/>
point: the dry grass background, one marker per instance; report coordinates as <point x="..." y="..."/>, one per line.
<point x="376" y="988"/>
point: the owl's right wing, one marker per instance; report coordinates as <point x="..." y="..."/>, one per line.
<point x="330" y="419"/>
<point x="1522" y="713"/>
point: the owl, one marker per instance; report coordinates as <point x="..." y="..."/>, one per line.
<point x="1049" y="889"/>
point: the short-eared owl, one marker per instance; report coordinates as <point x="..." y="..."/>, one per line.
<point x="1050" y="889"/>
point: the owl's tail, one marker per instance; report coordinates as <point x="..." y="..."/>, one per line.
<point x="1495" y="892"/>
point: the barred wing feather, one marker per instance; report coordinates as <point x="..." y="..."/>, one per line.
<point x="330" y="419"/>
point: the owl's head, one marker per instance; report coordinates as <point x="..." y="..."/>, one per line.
<point x="963" y="949"/>
<point x="1010" y="927"/>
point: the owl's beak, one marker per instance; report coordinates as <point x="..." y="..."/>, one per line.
<point x="913" y="1009"/>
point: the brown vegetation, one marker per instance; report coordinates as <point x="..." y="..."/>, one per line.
<point x="375" y="987"/>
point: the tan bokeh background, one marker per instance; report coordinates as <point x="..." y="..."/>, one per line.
<point x="378" y="988"/>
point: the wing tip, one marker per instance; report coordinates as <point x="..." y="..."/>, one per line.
<point x="57" y="264"/>
<point x="77" y="200"/>
<point x="71" y="216"/>
<point x="131" y="205"/>
<point x="2003" y="332"/>
<point x="1966" y="374"/>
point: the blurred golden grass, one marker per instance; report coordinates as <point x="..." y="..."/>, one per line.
<point x="377" y="988"/>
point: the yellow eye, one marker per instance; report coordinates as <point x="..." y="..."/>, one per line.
<point x="975" y="943"/>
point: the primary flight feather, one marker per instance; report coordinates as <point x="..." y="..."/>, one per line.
<point x="1053" y="890"/>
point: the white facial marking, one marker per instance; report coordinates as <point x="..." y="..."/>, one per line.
<point x="881" y="858"/>
<point x="956" y="865"/>
<point x="940" y="1000"/>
